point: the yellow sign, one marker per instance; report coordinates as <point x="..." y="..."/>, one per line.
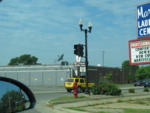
<point x="35" y="79"/>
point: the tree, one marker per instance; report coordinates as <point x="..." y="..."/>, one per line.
<point x="126" y="65"/>
<point x="14" y="61"/>
<point x="25" y="59"/>
<point x="130" y="77"/>
<point x="12" y="101"/>
<point x="109" y="76"/>
<point x="143" y="73"/>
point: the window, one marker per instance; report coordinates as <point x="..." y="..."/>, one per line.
<point x="81" y="81"/>
<point x="76" y="80"/>
<point x="70" y="80"/>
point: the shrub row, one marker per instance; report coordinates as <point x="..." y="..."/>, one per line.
<point x="131" y="90"/>
<point x="105" y="87"/>
<point x="109" y="88"/>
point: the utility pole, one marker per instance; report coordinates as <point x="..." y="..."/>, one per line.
<point x="103" y="57"/>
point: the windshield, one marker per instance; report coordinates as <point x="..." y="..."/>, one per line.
<point x="70" y="80"/>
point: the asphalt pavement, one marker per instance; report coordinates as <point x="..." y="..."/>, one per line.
<point x="59" y="107"/>
<point x="43" y="95"/>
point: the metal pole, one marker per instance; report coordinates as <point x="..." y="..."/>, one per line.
<point x="86" y="63"/>
<point x="86" y="52"/>
<point x="103" y="57"/>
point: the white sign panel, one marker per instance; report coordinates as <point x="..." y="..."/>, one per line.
<point x="78" y="59"/>
<point x="139" y="51"/>
<point x="82" y="69"/>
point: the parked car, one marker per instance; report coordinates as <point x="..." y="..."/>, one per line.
<point x="139" y="83"/>
<point x="81" y="83"/>
<point x="146" y="83"/>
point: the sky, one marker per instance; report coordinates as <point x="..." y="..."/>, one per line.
<point x="49" y="28"/>
<point x="6" y="86"/>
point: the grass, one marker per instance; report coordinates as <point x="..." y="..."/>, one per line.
<point x="136" y="110"/>
<point x="120" y="100"/>
<point x="132" y="111"/>
<point x="145" y="101"/>
<point x="76" y="109"/>
<point x="124" y="110"/>
<point x="65" y="98"/>
<point x="103" y="112"/>
<point x="137" y="101"/>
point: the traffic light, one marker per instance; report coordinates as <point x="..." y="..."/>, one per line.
<point x="78" y="50"/>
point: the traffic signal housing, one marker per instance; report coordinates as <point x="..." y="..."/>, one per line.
<point x="78" y="50"/>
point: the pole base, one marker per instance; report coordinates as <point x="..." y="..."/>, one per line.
<point x="87" y="92"/>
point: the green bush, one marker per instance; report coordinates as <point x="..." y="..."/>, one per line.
<point x="131" y="90"/>
<point x="105" y="87"/>
<point x="146" y="90"/>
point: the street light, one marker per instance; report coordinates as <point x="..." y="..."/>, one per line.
<point x="86" y="50"/>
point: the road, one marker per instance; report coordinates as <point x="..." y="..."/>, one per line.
<point x="137" y="88"/>
<point x="44" y="94"/>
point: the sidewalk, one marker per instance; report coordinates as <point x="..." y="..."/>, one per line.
<point x="92" y="101"/>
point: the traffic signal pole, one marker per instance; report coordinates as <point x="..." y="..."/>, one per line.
<point x="86" y="52"/>
<point x="86" y="62"/>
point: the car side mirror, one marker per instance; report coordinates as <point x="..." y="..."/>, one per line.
<point x="15" y="96"/>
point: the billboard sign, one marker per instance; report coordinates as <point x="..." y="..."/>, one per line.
<point x="143" y="20"/>
<point x="139" y="51"/>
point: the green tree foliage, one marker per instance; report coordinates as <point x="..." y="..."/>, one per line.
<point x="25" y="59"/>
<point x="109" y="76"/>
<point x="126" y="65"/>
<point x="131" y="76"/>
<point x="14" y="61"/>
<point x="143" y="73"/>
<point x="12" y="101"/>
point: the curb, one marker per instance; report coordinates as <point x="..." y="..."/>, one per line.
<point x="59" y="106"/>
<point x="99" y="97"/>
